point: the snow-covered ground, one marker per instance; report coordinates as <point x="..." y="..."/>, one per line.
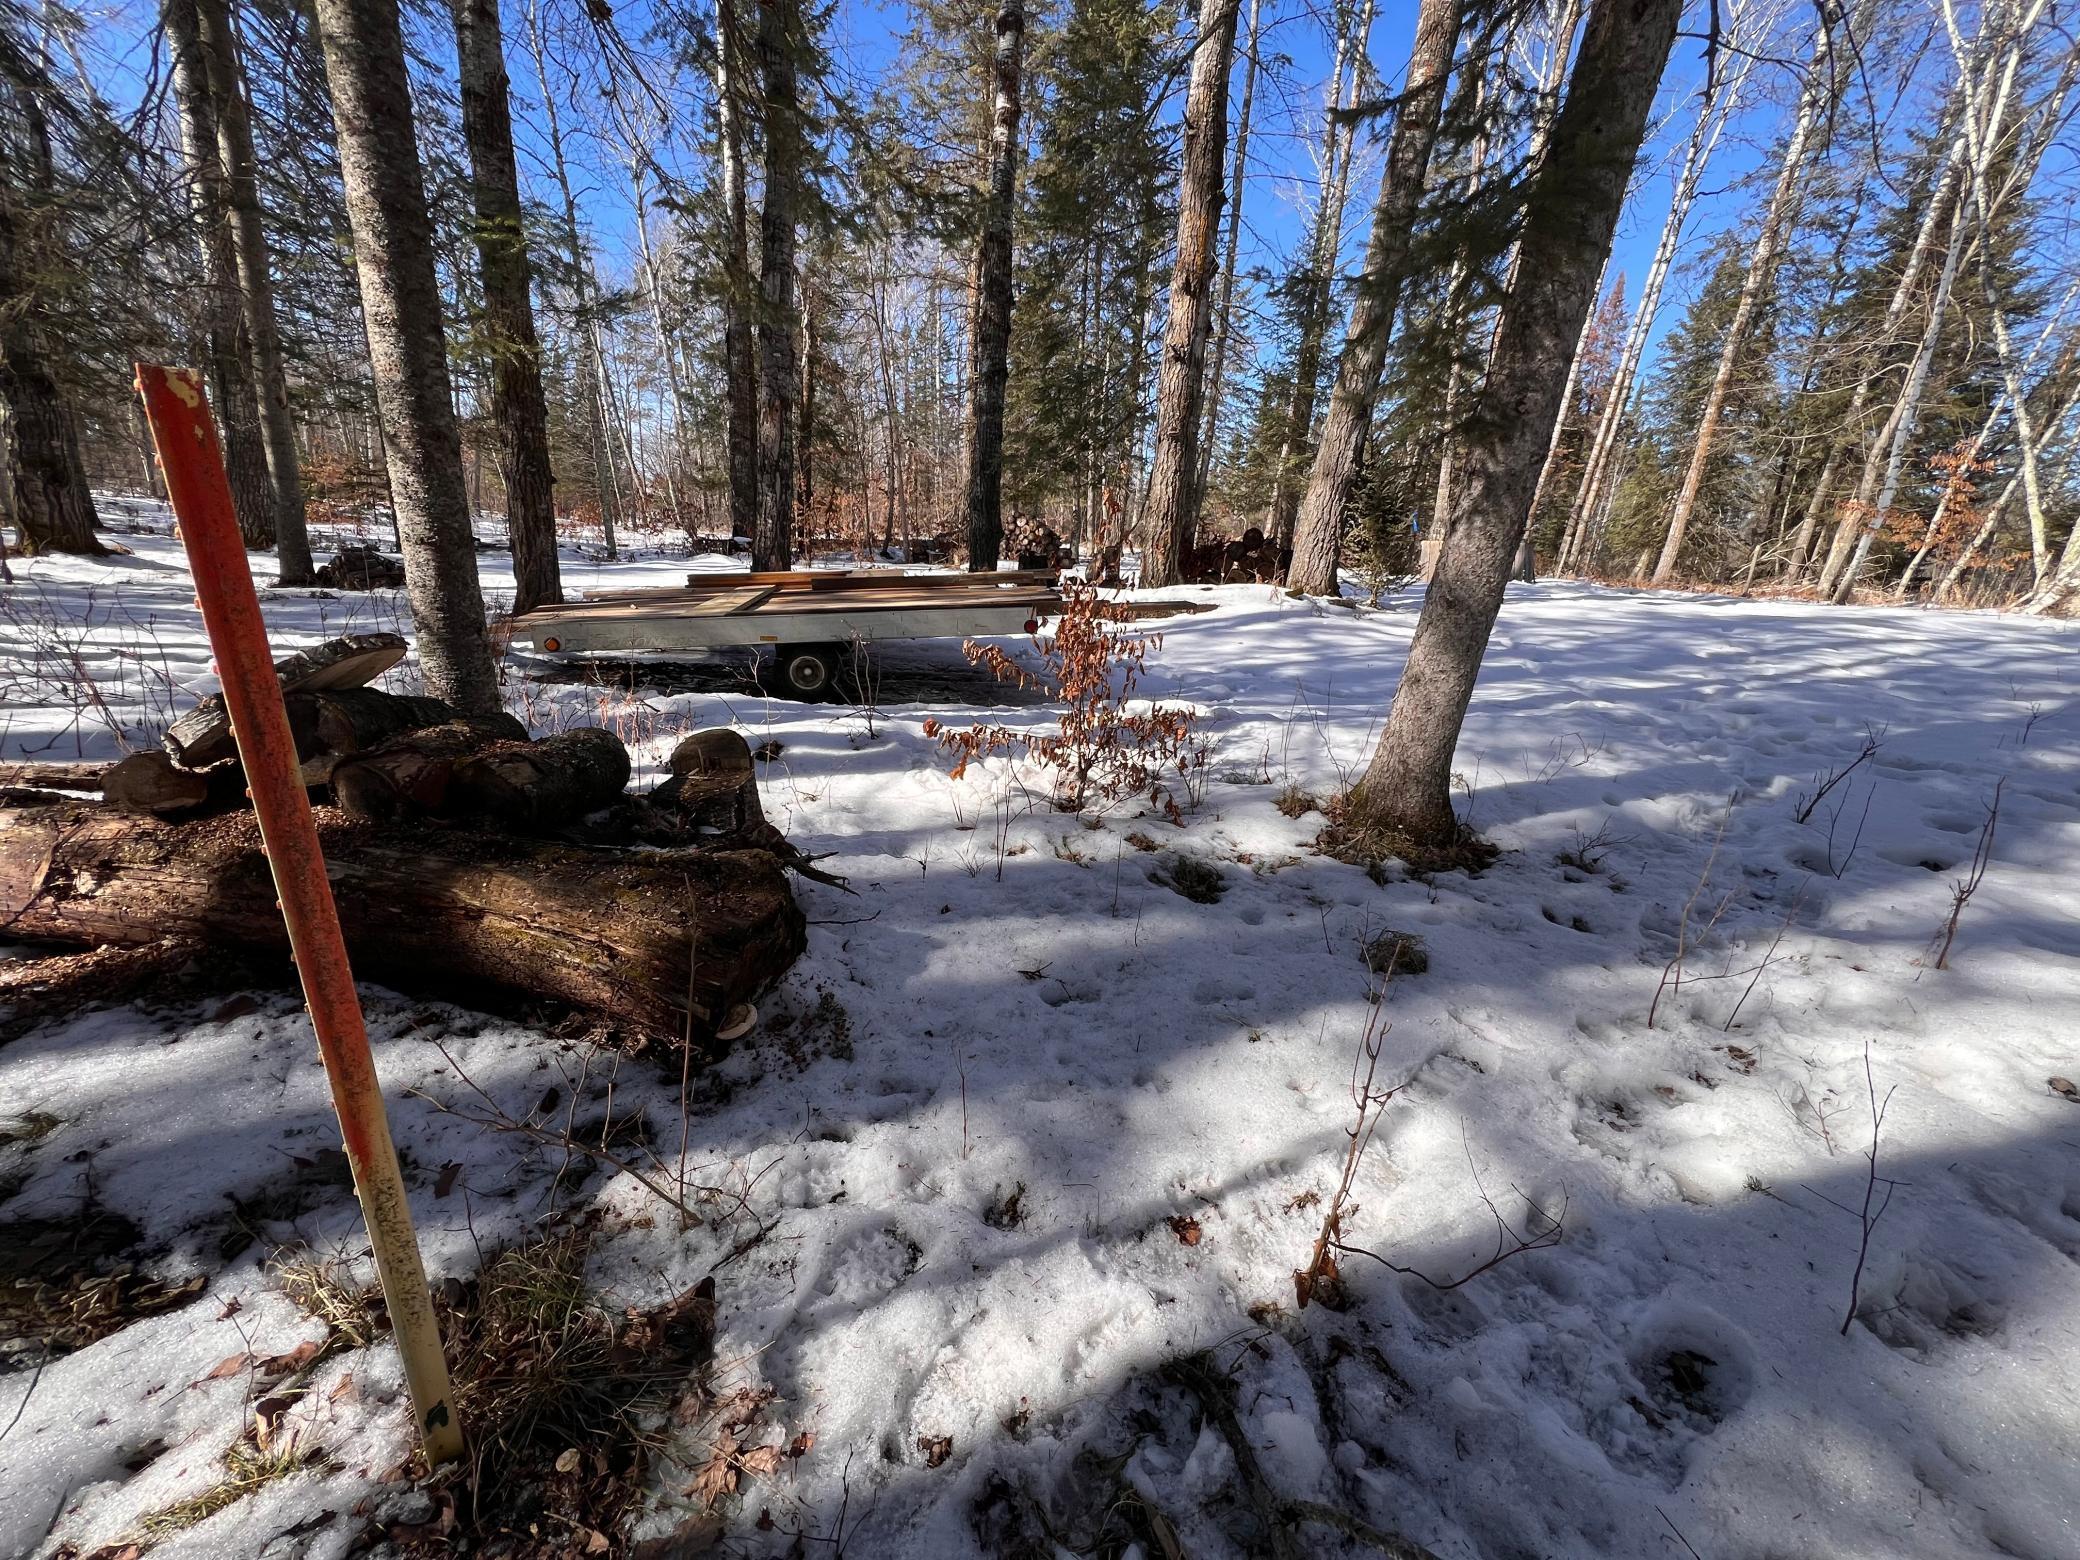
<point x="1015" y="1001"/>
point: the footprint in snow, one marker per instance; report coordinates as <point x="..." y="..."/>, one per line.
<point x="1691" y="1370"/>
<point x="1928" y="1306"/>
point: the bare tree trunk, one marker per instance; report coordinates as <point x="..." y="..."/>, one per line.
<point x="1325" y="241"/>
<point x="1318" y="537"/>
<point x="1570" y="216"/>
<point x="1596" y="479"/>
<point x="805" y="440"/>
<point x="44" y="497"/>
<point x="230" y="344"/>
<point x="1224" y="310"/>
<point x="407" y="347"/>
<point x="772" y="541"/>
<point x="1759" y="285"/>
<point x="740" y="361"/>
<point x="993" y="301"/>
<point x="1181" y="379"/>
<point x="518" y="409"/>
<point x="222" y="58"/>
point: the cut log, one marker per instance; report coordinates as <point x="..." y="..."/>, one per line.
<point x="408" y="775"/>
<point x="203" y="736"/>
<point x="353" y="720"/>
<point x="716" y="751"/>
<point x="537" y="786"/>
<point x="77" y="776"/>
<point x="152" y="783"/>
<point x="642" y="941"/>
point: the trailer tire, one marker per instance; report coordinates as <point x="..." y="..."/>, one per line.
<point x="807" y="671"/>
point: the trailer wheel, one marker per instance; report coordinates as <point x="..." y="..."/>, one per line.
<point x="807" y="671"/>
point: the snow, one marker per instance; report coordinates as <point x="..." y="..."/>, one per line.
<point x="1013" y="1000"/>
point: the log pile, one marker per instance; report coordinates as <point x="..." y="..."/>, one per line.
<point x="1251" y="559"/>
<point x="358" y="566"/>
<point x="467" y="860"/>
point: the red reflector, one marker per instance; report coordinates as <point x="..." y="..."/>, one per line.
<point x="1032" y="625"/>
<point x="552" y="644"/>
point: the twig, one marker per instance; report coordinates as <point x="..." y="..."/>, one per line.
<point x="1873" y="739"/>
<point x="1867" y="1218"/>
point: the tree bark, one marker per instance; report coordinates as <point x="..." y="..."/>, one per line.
<point x="45" y="496"/>
<point x="407" y="346"/>
<point x="226" y="72"/>
<point x="1570" y="216"/>
<point x="409" y="775"/>
<point x="772" y="539"/>
<point x="535" y="786"/>
<point x="231" y="366"/>
<point x="644" y="941"/>
<point x="518" y="411"/>
<point x="1172" y="485"/>
<point x="1224" y="310"/>
<point x="993" y="299"/>
<point x="1317" y="538"/>
<point x="739" y="351"/>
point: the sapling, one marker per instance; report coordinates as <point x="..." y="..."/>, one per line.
<point x="1962" y="890"/>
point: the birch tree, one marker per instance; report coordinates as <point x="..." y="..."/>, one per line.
<point x="1758" y="288"/>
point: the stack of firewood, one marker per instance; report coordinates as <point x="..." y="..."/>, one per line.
<point x="466" y="859"/>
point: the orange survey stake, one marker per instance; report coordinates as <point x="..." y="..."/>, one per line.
<point x="193" y="463"/>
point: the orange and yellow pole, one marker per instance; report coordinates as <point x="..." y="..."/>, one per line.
<point x="200" y="493"/>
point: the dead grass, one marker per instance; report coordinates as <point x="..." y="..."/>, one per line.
<point x="564" y="1401"/>
<point x="250" y="1468"/>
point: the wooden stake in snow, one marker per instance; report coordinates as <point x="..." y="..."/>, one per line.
<point x="201" y="498"/>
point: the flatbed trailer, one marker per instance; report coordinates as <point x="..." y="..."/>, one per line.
<point x="811" y="618"/>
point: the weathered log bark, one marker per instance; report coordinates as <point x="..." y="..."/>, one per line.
<point x="644" y="942"/>
<point x="716" y="750"/>
<point x="539" y="785"/>
<point x="408" y="776"/>
<point x="353" y="720"/>
<point x="151" y="782"/>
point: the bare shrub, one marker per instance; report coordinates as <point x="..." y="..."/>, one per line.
<point x="1104" y="749"/>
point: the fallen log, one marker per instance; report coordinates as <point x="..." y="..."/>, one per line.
<point x="151" y="782"/>
<point x="353" y="720"/>
<point x="651" y="943"/>
<point x="67" y="775"/>
<point x="408" y="776"/>
<point x="537" y="786"/>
